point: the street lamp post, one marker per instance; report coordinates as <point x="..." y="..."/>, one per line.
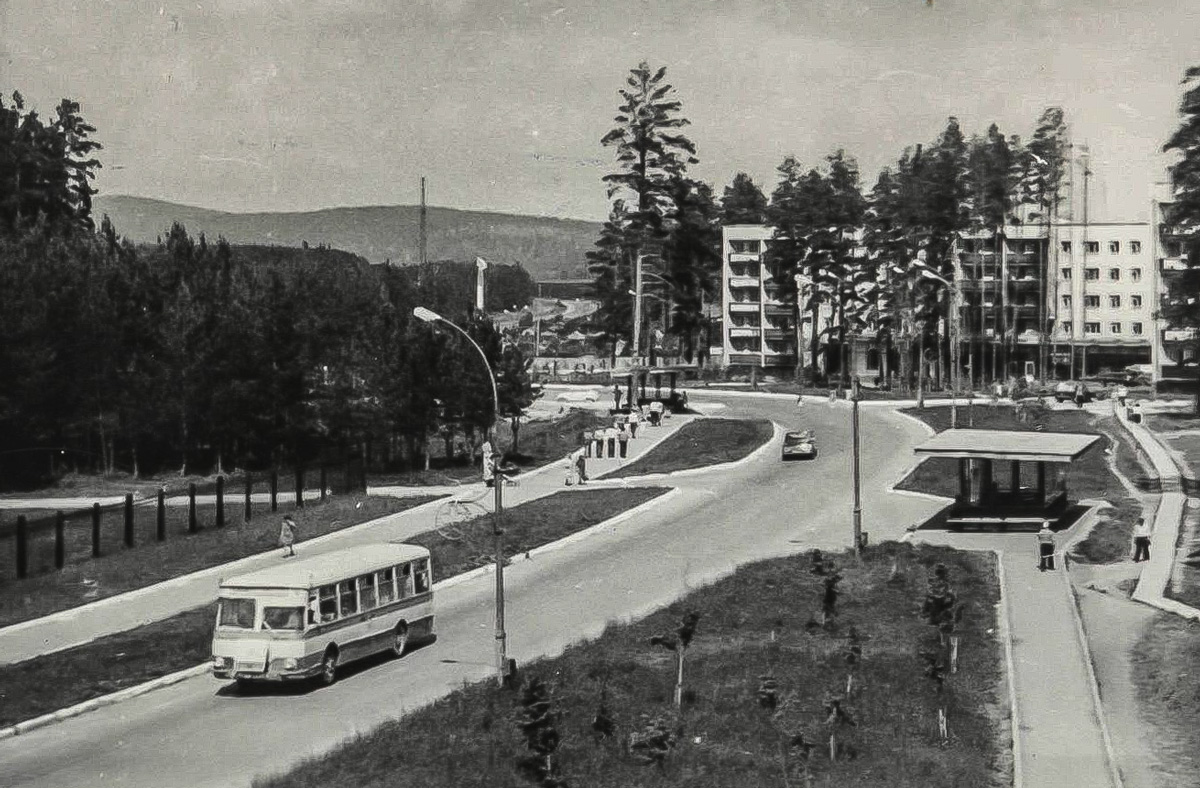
<point x="429" y="316"/>
<point x="857" y="514"/>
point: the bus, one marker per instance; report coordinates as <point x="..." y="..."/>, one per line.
<point x="303" y="619"/>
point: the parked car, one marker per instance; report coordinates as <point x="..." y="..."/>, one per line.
<point x="799" y="445"/>
<point x="1065" y="391"/>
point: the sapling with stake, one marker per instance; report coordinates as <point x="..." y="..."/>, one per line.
<point x="539" y="725"/>
<point x="836" y="718"/>
<point x="679" y="643"/>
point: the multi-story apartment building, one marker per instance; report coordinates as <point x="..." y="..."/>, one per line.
<point x="1092" y="286"/>
<point x="1104" y="297"/>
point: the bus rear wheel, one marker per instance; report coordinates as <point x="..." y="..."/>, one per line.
<point x="329" y="667"/>
<point x="400" y="639"/>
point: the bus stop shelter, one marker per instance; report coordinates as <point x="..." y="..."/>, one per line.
<point x="1033" y="469"/>
<point x="656" y="384"/>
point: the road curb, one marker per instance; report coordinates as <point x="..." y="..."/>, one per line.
<point x="104" y="700"/>
<point x="199" y="670"/>
<point x="1010" y="666"/>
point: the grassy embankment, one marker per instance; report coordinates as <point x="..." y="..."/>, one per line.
<point x="54" y="681"/>
<point x="1089" y="477"/>
<point x="699" y="443"/>
<point x="1180" y="433"/>
<point x="758" y="622"/>
<point x="1164" y="662"/>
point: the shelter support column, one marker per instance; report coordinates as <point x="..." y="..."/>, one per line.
<point x="989" y="481"/>
<point x="1041" y="482"/>
<point x="964" y="479"/>
<point x="1015" y="476"/>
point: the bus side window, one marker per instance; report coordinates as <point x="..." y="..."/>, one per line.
<point x="421" y="573"/>
<point x="406" y="581"/>
<point x="386" y="581"/>
<point x="328" y="603"/>
<point x="348" y="598"/>
<point x="314" y="608"/>
<point x="366" y="591"/>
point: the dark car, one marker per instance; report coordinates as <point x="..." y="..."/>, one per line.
<point x="1065" y="392"/>
<point x="799" y="445"/>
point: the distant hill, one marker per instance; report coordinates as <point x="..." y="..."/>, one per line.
<point x="547" y="248"/>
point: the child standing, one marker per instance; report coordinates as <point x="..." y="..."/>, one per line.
<point x="287" y="535"/>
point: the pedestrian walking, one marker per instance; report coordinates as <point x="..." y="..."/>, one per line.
<point x="616" y="397"/>
<point x="1080" y="393"/>
<point x="1122" y="394"/>
<point x="656" y="411"/>
<point x="634" y="419"/>
<point x="1141" y="540"/>
<point x="1045" y="538"/>
<point x="598" y="436"/>
<point x="610" y="437"/>
<point x="581" y="467"/>
<point x="287" y="535"/>
<point x="623" y="439"/>
<point x="587" y="444"/>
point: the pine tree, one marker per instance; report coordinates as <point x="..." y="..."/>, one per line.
<point x="1045" y="165"/>
<point x="743" y="202"/>
<point x="1180" y="306"/>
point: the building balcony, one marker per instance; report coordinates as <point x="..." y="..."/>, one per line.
<point x="744" y="281"/>
<point x="743" y="357"/>
<point x="780" y="309"/>
<point x="1168" y="264"/>
<point x="744" y="332"/>
<point x="1180" y="335"/>
<point x="778" y="334"/>
<point x="744" y="257"/>
<point x="741" y="307"/>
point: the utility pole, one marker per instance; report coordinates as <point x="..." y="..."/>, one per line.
<point x="637" y="310"/>
<point x="857" y="514"/>
<point x="424" y="239"/>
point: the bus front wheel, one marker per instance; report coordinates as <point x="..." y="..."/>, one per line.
<point x="329" y="667"/>
<point x="400" y="639"/>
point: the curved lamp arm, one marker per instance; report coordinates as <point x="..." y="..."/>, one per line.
<point x="429" y="316"/>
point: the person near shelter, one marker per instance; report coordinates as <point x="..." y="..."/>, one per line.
<point x="623" y="438"/>
<point x="1080" y="395"/>
<point x="489" y="465"/>
<point x="1122" y="394"/>
<point x="580" y="467"/>
<point x="1045" y="538"/>
<point x="287" y="535"/>
<point x="656" y="411"/>
<point x="616" y="397"/>
<point x="598" y="436"/>
<point x="1141" y="540"/>
<point x="610" y="437"/>
<point x="587" y="443"/>
<point x="634" y="419"/>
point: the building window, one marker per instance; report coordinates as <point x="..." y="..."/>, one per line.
<point x="1114" y="328"/>
<point x="1091" y="247"/>
<point x="1135" y="328"/>
<point x="1114" y="247"/>
<point x="1091" y="301"/>
<point x="1135" y="302"/>
<point x="1066" y="326"/>
<point x="1066" y="302"/>
<point x="1114" y="302"/>
<point x="1066" y="246"/>
<point x="1135" y="274"/>
<point x="1066" y="273"/>
<point x="1091" y="328"/>
<point x="1173" y="248"/>
<point x="746" y="247"/>
<point x="1030" y="248"/>
<point x="1091" y="274"/>
<point x="1114" y="274"/>
<point x="968" y="245"/>
<point x="1135" y="247"/>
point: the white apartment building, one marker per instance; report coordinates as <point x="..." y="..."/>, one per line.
<point x="1104" y="296"/>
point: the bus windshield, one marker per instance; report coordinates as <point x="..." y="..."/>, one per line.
<point x="288" y="618"/>
<point x="236" y="612"/>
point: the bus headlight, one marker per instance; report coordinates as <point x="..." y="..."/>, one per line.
<point x="222" y="663"/>
<point x="291" y="663"/>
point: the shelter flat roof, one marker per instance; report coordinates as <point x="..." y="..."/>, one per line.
<point x="318" y="570"/>
<point x="1007" y="445"/>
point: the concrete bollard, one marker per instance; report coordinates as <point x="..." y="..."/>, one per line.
<point x="129" y="519"/>
<point x="22" y="547"/>
<point x="220" y="501"/>
<point x="160" y="523"/>
<point x="60" y="539"/>
<point x="193" y="527"/>
<point x="95" y="530"/>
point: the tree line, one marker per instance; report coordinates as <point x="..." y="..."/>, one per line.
<point x="196" y="356"/>
<point x="882" y="258"/>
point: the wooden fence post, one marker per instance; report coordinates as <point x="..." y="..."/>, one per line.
<point x="220" y="501"/>
<point x="129" y="519"/>
<point x="299" y="473"/>
<point x="192" y="525"/>
<point x="95" y="530"/>
<point x="160" y="524"/>
<point x="249" y="484"/>
<point x="274" y="489"/>
<point x="322" y="484"/>
<point x="60" y="539"/>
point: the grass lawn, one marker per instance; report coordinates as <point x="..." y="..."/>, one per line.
<point x="119" y="569"/>
<point x="698" y="444"/>
<point x="58" y="680"/>
<point x="1164" y="671"/>
<point x="753" y="624"/>
<point x="1089" y="477"/>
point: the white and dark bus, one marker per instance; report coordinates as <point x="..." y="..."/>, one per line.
<point x="304" y="618"/>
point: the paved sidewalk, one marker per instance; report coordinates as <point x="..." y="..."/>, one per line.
<point x="1062" y="742"/>
<point x="114" y="614"/>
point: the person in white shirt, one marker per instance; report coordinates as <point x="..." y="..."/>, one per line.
<point x="1045" y="539"/>
<point x="633" y="419"/>
<point x="1141" y="540"/>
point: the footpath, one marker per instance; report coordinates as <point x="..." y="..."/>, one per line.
<point x="122" y="612"/>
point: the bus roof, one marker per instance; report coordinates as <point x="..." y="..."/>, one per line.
<point x="319" y="570"/>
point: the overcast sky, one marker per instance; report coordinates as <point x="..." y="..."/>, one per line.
<point x="247" y="105"/>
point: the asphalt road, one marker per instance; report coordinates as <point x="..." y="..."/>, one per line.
<point x="198" y="733"/>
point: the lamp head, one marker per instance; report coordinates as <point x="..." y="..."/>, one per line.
<point x="427" y="315"/>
